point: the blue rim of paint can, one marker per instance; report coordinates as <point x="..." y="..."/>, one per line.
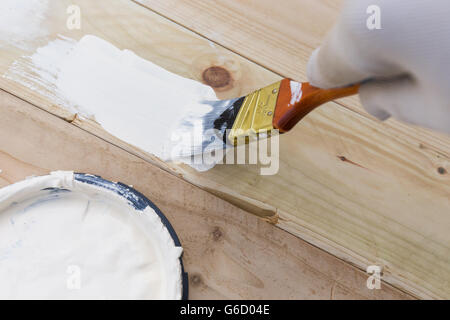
<point x="139" y="202"/>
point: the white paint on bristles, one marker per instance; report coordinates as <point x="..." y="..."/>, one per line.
<point x="89" y="243"/>
<point x="21" y="22"/>
<point x="296" y="92"/>
<point x="130" y="97"/>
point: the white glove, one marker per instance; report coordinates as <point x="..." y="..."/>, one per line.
<point x="406" y="62"/>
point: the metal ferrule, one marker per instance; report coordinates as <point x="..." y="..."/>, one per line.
<point x="256" y="114"/>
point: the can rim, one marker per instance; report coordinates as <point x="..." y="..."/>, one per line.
<point x="139" y="202"/>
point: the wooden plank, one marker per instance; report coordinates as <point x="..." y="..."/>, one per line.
<point x="258" y="29"/>
<point x="390" y="209"/>
<point x="147" y="34"/>
<point x="281" y="38"/>
<point x="229" y="253"/>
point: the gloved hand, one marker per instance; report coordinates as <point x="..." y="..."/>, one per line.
<point x="406" y="62"/>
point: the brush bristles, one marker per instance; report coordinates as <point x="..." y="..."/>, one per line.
<point x="202" y="129"/>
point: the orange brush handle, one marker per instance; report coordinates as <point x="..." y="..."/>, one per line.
<point x="296" y="100"/>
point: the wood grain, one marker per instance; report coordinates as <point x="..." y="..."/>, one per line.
<point x="364" y="191"/>
<point x="229" y="253"/>
<point x="280" y="38"/>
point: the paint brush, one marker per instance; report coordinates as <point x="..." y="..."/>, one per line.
<point x="278" y="106"/>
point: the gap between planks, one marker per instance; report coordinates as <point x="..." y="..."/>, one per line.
<point x="337" y="281"/>
<point x="360" y="112"/>
<point x="236" y="52"/>
<point x="436" y="142"/>
<point x="121" y="146"/>
<point x="310" y="240"/>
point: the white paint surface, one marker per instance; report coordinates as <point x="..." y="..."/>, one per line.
<point x="84" y="244"/>
<point x="21" y="22"/>
<point x="132" y="98"/>
<point x="296" y="92"/>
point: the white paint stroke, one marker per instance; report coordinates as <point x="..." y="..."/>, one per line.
<point x="132" y="98"/>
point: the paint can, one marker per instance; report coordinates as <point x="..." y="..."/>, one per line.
<point x="123" y="246"/>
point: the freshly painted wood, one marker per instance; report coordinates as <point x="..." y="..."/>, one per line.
<point x="229" y="253"/>
<point x="128" y="25"/>
<point x="367" y="192"/>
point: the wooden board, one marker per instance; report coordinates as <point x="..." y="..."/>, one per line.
<point x="280" y="38"/>
<point x="228" y="252"/>
<point x="364" y="191"/>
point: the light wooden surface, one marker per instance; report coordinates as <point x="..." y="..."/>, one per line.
<point x="367" y="192"/>
<point x="280" y="38"/>
<point x="229" y="253"/>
